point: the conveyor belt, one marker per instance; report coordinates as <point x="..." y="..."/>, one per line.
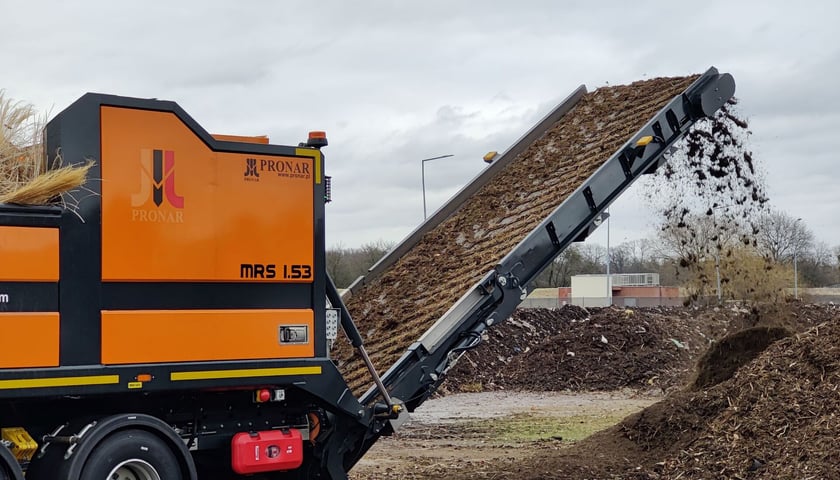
<point x="453" y="204"/>
<point x="435" y="268"/>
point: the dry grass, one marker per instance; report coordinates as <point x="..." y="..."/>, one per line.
<point x="45" y="188"/>
<point x="24" y="176"/>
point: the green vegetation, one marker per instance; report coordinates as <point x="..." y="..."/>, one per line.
<point x="532" y="427"/>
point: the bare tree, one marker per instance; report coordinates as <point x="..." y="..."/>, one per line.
<point x="698" y="237"/>
<point x="373" y="251"/>
<point x="559" y="273"/>
<point x="593" y="254"/>
<point x="336" y="258"/>
<point x="633" y="256"/>
<point x="620" y="258"/>
<point x="780" y="236"/>
<point x="641" y="252"/>
<point x="817" y="266"/>
<point x="345" y="265"/>
<point x="821" y="254"/>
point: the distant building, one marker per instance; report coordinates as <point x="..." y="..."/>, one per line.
<point x="628" y="290"/>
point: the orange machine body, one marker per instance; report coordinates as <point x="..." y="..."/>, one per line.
<point x="185" y="251"/>
<point x="28" y="257"/>
<point x="175" y="210"/>
<point x="28" y="254"/>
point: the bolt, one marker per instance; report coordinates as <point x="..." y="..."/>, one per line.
<point x="502" y="281"/>
<point x="360" y="413"/>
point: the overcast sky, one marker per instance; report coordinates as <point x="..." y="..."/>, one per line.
<point x="395" y="82"/>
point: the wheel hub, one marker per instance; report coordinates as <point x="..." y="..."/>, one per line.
<point x="133" y="469"/>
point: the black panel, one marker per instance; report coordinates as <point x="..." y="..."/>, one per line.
<point x="319" y="282"/>
<point x="183" y="296"/>
<point x="22" y="216"/>
<point x="28" y="297"/>
<point x="97" y="100"/>
<point x="75" y="134"/>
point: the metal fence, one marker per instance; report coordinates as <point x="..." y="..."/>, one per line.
<point x="631" y="302"/>
<point x="820" y="298"/>
<point x="601" y="302"/>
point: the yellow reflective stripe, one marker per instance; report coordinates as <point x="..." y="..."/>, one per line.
<point x="251" y="372"/>
<point x="316" y="154"/>
<point x="59" y="382"/>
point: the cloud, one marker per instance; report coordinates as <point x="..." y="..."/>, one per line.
<point x="393" y="83"/>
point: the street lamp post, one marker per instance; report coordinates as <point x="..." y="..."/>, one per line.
<point x="795" y="272"/>
<point x="717" y="272"/>
<point x="717" y="256"/>
<point x="609" y="279"/>
<point x="423" y="178"/>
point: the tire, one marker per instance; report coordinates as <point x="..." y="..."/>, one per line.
<point x="131" y="455"/>
<point x="9" y="468"/>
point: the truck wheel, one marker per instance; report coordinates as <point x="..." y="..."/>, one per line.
<point x="9" y="468"/>
<point x="131" y="455"/>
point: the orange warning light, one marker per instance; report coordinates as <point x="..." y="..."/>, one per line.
<point x="317" y="139"/>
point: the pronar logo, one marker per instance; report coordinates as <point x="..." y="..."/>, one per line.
<point x="285" y="167"/>
<point x="157" y="179"/>
<point x="251" y="173"/>
<point x="157" y="200"/>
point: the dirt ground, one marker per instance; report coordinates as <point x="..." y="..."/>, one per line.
<point x="758" y="400"/>
<point x="474" y="435"/>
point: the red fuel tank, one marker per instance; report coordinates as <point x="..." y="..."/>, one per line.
<point x="266" y="451"/>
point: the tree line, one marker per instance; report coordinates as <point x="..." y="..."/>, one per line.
<point x="346" y="264"/>
<point x="779" y="239"/>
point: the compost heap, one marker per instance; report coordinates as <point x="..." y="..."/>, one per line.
<point x="777" y="416"/>
<point x="651" y="349"/>
<point x="393" y="310"/>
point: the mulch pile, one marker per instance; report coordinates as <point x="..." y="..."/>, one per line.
<point x="572" y="348"/>
<point x="776" y="415"/>
<point x="393" y="310"/>
<point x="603" y="349"/>
<point x="762" y="403"/>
